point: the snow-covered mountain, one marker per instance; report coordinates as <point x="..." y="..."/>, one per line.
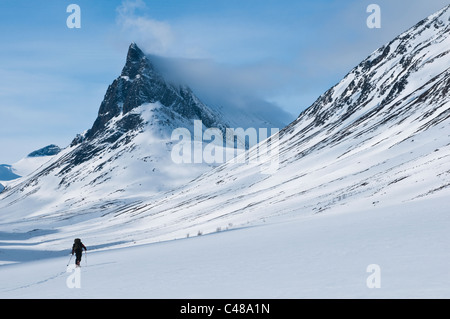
<point x="377" y="140"/>
<point x="27" y="165"/>
<point x="140" y="83"/>
<point x="127" y="151"/>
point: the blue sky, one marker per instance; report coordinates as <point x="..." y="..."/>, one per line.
<point x="287" y="53"/>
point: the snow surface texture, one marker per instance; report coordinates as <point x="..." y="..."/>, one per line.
<point x="323" y="256"/>
<point x="363" y="178"/>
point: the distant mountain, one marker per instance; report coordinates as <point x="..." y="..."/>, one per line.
<point x="27" y="165"/>
<point x="49" y="150"/>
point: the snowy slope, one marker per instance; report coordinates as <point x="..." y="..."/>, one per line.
<point x="324" y="256"/>
<point x="35" y="160"/>
<point x="28" y="165"/>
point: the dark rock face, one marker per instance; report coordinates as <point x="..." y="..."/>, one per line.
<point x="49" y="150"/>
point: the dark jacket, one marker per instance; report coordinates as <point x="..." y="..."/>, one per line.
<point x="77" y="248"/>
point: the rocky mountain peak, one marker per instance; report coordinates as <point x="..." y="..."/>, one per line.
<point x="140" y="83"/>
<point x="137" y="64"/>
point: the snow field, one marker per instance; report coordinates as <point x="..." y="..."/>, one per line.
<point x="321" y="256"/>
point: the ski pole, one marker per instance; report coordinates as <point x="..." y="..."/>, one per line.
<point x="85" y="256"/>
<point x="70" y="259"/>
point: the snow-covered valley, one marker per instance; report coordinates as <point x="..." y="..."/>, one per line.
<point x="322" y="256"/>
<point x="359" y="179"/>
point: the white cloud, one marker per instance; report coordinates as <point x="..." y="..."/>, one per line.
<point x="238" y="89"/>
<point x="152" y="35"/>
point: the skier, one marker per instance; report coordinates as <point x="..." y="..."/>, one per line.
<point x="77" y="248"/>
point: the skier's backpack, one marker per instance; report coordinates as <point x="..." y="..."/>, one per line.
<point x="77" y="244"/>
